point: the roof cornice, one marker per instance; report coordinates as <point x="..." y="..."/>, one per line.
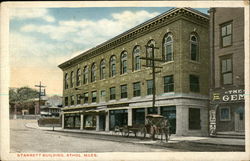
<point x="136" y="31"/>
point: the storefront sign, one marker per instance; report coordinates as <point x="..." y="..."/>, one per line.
<point x="212" y="122"/>
<point x="229" y="95"/>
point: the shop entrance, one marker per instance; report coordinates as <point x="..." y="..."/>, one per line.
<point x="102" y="120"/>
<point x="170" y="113"/>
<point x="138" y="116"/>
<point x="194" y="119"/>
<point x="239" y="120"/>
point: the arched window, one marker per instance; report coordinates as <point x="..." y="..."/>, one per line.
<point x="112" y="66"/>
<point x="66" y="79"/>
<point x="151" y="43"/>
<point x="194" y="48"/>
<point x="168" y="47"/>
<point x="72" y="79"/>
<point x="85" y="75"/>
<point x="136" y="58"/>
<point x="102" y="69"/>
<point x="93" y="72"/>
<point x="124" y="62"/>
<point x="78" y="77"/>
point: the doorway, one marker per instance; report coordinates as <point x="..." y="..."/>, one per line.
<point x="194" y="119"/>
<point x="239" y="120"/>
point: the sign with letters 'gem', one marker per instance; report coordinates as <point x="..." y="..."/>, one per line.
<point x="233" y="95"/>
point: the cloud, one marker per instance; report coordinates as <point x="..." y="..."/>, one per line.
<point x="31" y="13"/>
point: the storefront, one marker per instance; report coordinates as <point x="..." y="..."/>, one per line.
<point x="72" y="120"/>
<point x="89" y="121"/>
<point x="170" y="113"/>
<point x="138" y="116"/>
<point x="118" y="118"/>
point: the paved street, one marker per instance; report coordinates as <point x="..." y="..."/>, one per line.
<point x="24" y="139"/>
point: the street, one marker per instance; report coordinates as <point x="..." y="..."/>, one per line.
<point x="24" y="139"/>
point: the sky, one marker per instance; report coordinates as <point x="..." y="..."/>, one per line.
<point x="42" y="38"/>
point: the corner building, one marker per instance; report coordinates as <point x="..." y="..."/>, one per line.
<point x="108" y="85"/>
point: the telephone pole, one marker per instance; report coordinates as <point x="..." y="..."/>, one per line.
<point x="153" y="66"/>
<point x="40" y="86"/>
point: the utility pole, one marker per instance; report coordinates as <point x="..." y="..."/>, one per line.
<point x="40" y="86"/>
<point x="153" y="66"/>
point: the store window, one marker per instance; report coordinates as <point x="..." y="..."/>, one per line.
<point x="85" y="75"/>
<point x="112" y="66"/>
<point x="93" y="96"/>
<point x="137" y="89"/>
<point x="124" y="62"/>
<point x="168" y="47"/>
<point x="149" y="87"/>
<point x="118" y="118"/>
<point x="226" y="70"/>
<point x="124" y="92"/>
<point x="112" y="93"/>
<point x="194" y="83"/>
<point x="86" y="97"/>
<point x="168" y="83"/>
<point x="138" y="116"/>
<point x="226" y="34"/>
<point x="102" y="70"/>
<point x="136" y="55"/>
<point x="90" y="121"/>
<point x="194" y="48"/>
<point x="224" y="114"/>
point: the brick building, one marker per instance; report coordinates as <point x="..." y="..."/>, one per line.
<point x="108" y="85"/>
<point x="227" y="69"/>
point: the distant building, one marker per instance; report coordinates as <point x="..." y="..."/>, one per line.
<point x="227" y="70"/>
<point x="52" y="107"/>
<point x="108" y="86"/>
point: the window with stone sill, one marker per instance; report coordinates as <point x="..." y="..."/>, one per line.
<point x="168" y="48"/>
<point x="226" y="70"/>
<point x="112" y="66"/>
<point x="194" y="83"/>
<point x="72" y="100"/>
<point x="194" y="47"/>
<point x="150" y="52"/>
<point x="136" y="59"/>
<point x="93" y="72"/>
<point x="78" y="99"/>
<point x="124" y="92"/>
<point x="149" y="87"/>
<point x="112" y="93"/>
<point x="226" y="34"/>
<point x="102" y="95"/>
<point x="94" y="96"/>
<point x="78" y="77"/>
<point x="137" y="89"/>
<point x="72" y="79"/>
<point x="66" y="79"/>
<point x="86" y="97"/>
<point x="85" y="75"/>
<point x="124" y="62"/>
<point x="102" y="69"/>
<point x="66" y="101"/>
<point x="168" y="83"/>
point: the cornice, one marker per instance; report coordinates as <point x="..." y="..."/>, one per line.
<point x="140" y="30"/>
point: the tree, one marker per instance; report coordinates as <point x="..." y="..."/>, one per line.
<point x="18" y="95"/>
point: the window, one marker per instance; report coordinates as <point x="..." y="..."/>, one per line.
<point x="85" y="75"/>
<point x="194" y="121"/>
<point x="194" y="83"/>
<point x="112" y="66"/>
<point x="136" y="54"/>
<point x="66" y="81"/>
<point x="66" y="101"/>
<point x="78" y="99"/>
<point x="93" y="95"/>
<point x="150" y="52"/>
<point x="124" y="62"/>
<point x="72" y="100"/>
<point x="72" y="79"/>
<point x="226" y="71"/>
<point x="78" y="77"/>
<point x="168" y="47"/>
<point x="194" y="48"/>
<point x="112" y="93"/>
<point x="102" y="70"/>
<point x="137" y="89"/>
<point x="226" y="34"/>
<point x="168" y="83"/>
<point x="86" y="97"/>
<point x="224" y="113"/>
<point x="124" y="92"/>
<point x="102" y="96"/>
<point x="149" y="87"/>
<point x="93" y="72"/>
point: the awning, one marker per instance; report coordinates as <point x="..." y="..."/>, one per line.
<point x="72" y="112"/>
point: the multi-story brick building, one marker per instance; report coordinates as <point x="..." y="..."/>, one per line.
<point x="108" y="85"/>
<point x="227" y="69"/>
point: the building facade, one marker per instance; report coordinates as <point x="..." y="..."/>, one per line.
<point x="227" y="70"/>
<point x="108" y="85"/>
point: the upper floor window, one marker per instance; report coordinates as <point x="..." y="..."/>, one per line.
<point x="226" y="34"/>
<point x="78" y="99"/>
<point x="194" y="83"/>
<point x="102" y="96"/>
<point x="102" y="69"/>
<point x="86" y="97"/>
<point x="78" y="77"/>
<point x="149" y="87"/>
<point x="150" y="49"/>
<point x="124" y="62"/>
<point x="85" y="75"/>
<point x="112" y="93"/>
<point x="168" y="47"/>
<point x="112" y="66"/>
<point x="137" y="89"/>
<point x="72" y="100"/>
<point x="72" y="79"/>
<point x="124" y="91"/>
<point x="168" y="83"/>
<point x="194" y="48"/>
<point x="66" y="79"/>
<point x="66" y="101"/>
<point x="226" y="71"/>
<point x="93" y="72"/>
<point x="93" y="96"/>
<point x="136" y="58"/>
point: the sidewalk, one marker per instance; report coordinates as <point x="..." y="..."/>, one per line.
<point x="173" y="139"/>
